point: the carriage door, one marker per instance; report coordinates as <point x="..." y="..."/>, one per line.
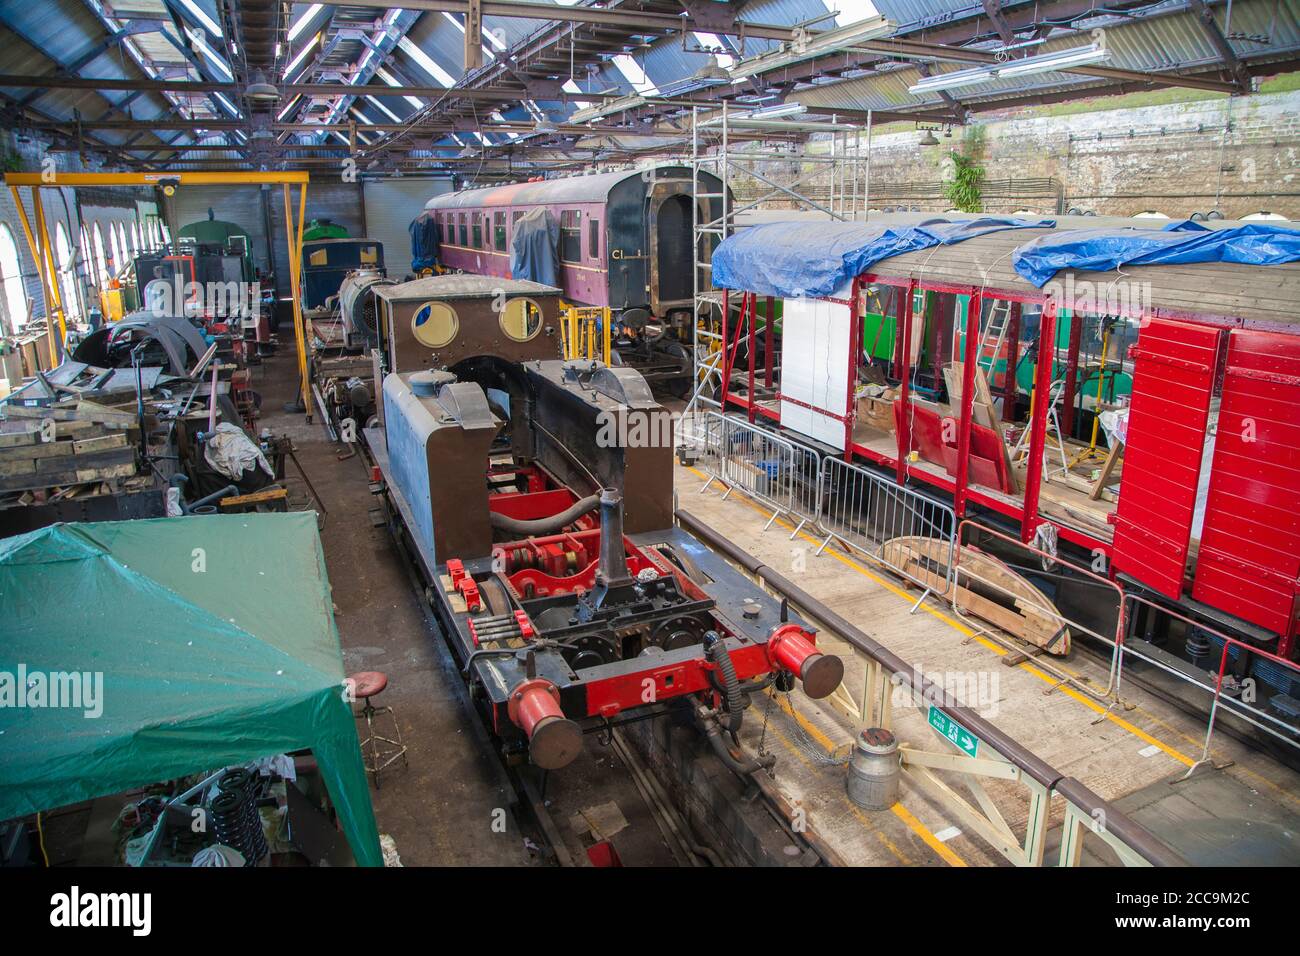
<point x="671" y="226"/>
<point x="1173" y="379"/>
<point x="1249" y="561"/>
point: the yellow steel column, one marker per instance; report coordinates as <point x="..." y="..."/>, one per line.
<point x="606" y="334"/>
<point x="295" y="247"/>
<point x="40" y="269"/>
<point x="43" y="239"/>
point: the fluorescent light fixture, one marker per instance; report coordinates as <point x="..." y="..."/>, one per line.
<point x="608" y="109"/>
<point x="301" y="23"/>
<point x="301" y="55"/>
<point x="227" y="104"/>
<point x="814" y="45"/>
<point x="287" y="107"/>
<point x="384" y="109"/>
<point x="213" y="56"/>
<point x="774" y="112"/>
<point x="426" y="62"/>
<point x="1025" y="66"/>
<point x="201" y="15"/>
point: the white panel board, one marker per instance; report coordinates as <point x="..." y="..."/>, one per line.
<point x="815" y="368"/>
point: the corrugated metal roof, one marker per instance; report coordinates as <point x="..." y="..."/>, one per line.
<point x="1149" y="45"/>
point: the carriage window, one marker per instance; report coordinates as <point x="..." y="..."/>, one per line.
<point x="499" y="232"/>
<point x="593" y="238"/>
<point x="516" y="216"/>
<point x="571" y="235"/>
<point x="478" y="231"/>
<point x="464" y="233"/>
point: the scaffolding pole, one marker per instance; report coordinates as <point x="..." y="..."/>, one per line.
<point x="848" y="200"/>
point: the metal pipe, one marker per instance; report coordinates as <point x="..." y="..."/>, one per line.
<point x="612" y="569"/>
<point x="545" y="525"/>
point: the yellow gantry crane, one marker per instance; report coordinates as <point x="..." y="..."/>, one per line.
<point x="38" y="239"/>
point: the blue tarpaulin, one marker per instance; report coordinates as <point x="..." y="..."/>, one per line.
<point x="797" y="259"/>
<point x="1100" y="250"/>
<point x="424" y="242"/>
<point x="534" y="248"/>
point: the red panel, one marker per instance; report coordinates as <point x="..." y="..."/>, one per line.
<point x="1173" y="377"/>
<point x="1249" y="560"/>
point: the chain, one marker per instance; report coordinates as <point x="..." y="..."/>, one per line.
<point x="805" y="743"/>
<point x="762" y="734"/>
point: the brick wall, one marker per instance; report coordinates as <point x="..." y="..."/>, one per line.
<point x="1239" y="155"/>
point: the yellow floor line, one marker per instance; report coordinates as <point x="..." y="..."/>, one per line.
<point x="932" y="841"/>
<point x="921" y="830"/>
<point x="963" y="629"/>
<point x="899" y="810"/>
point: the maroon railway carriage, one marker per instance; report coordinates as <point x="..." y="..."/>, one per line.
<point x="1198" y="514"/>
<point x="625" y="243"/>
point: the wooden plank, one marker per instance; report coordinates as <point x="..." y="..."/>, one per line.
<point x="14" y="439"/>
<point x="82" y="413"/>
<point x="99" y="443"/>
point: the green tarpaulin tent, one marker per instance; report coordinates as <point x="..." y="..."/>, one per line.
<point x="213" y="641"/>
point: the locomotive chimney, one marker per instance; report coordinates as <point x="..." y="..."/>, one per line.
<point x="612" y="570"/>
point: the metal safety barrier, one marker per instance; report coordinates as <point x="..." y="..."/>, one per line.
<point x="867" y="511"/>
<point x="758" y="463"/>
<point x="1222" y="702"/>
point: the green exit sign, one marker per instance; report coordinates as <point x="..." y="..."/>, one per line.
<point x="953" y="732"/>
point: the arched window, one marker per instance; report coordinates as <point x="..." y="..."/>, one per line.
<point x="126" y="250"/>
<point x="101" y="263"/>
<point x="11" y="271"/>
<point x="114" y="263"/>
<point x="67" y="273"/>
<point x="135" y="238"/>
<point x="164" y="231"/>
<point x="85" y="251"/>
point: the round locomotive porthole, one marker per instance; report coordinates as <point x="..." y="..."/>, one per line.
<point x="435" y="324"/>
<point x="521" y="319"/>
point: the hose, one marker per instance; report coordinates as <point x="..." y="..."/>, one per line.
<point x="215" y="496"/>
<point x="546" y="525"/>
<point x="715" y="648"/>
<point x="741" y="767"/>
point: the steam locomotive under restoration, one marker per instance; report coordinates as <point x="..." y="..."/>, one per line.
<point x="567" y="596"/>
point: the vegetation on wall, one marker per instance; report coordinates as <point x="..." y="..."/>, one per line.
<point x="968" y="173"/>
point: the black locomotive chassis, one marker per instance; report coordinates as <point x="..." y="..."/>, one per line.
<point x="492" y="678"/>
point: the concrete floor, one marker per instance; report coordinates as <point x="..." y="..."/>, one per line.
<point x="439" y="811"/>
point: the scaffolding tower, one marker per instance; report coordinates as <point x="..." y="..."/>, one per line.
<point x="847" y="161"/>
